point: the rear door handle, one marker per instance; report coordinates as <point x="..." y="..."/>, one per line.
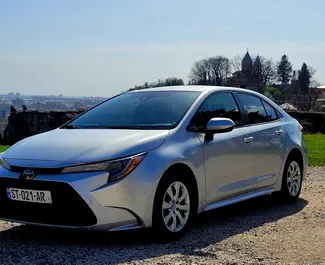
<point x="248" y="139"/>
<point x="278" y="132"/>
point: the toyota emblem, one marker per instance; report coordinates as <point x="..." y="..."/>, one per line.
<point x="28" y="174"/>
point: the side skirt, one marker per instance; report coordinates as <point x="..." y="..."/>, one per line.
<point x="238" y="198"/>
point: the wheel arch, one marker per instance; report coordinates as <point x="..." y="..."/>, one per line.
<point x="182" y="167"/>
<point x="294" y="152"/>
<point x="297" y="154"/>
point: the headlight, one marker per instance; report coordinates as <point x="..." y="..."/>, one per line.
<point x="3" y="163"/>
<point x="117" y="168"/>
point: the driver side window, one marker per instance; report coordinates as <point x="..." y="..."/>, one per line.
<point x="219" y="105"/>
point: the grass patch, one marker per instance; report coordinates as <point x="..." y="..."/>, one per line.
<point x="315" y="144"/>
<point x="316" y="149"/>
<point x="3" y="148"/>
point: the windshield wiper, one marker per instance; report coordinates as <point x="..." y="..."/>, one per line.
<point x="70" y="127"/>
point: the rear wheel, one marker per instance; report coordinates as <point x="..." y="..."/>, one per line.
<point x="174" y="207"/>
<point x="291" y="180"/>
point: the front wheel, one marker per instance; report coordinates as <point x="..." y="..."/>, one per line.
<point x="173" y="208"/>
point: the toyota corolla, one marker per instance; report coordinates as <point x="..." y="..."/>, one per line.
<point x="154" y="158"/>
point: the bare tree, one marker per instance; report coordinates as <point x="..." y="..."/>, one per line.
<point x="211" y="71"/>
<point x="268" y="70"/>
<point x="236" y="63"/>
<point x="199" y="73"/>
<point x="313" y="82"/>
<point x="265" y="70"/>
<point x="219" y="69"/>
<point x="312" y="71"/>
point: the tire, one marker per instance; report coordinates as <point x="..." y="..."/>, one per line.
<point x="178" y="209"/>
<point x="291" y="180"/>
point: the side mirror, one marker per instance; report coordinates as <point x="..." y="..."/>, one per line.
<point x="219" y="125"/>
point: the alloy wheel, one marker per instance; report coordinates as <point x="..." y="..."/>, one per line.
<point x="176" y="207"/>
<point x="293" y="178"/>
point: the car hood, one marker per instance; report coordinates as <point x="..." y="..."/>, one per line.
<point x="62" y="147"/>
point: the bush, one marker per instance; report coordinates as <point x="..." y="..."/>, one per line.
<point x="272" y="92"/>
<point x="313" y="122"/>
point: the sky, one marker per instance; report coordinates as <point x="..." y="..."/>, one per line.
<point x="103" y="47"/>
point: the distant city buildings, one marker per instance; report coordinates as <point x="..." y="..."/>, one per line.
<point x="46" y="103"/>
<point x="320" y="91"/>
<point x="4" y="111"/>
<point x="42" y="104"/>
<point x="17" y="103"/>
<point x="2" y="115"/>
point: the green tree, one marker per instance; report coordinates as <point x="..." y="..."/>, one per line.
<point x="136" y="88"/>
<point x="284" y="71"/>
<point x="271" y="92"/>
<point x="304" y="79"/>
<point x="173" y="81"/>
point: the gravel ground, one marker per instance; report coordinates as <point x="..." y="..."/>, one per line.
<point x="260" y="231"/>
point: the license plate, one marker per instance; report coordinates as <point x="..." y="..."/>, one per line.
<point x="39" y="196"/>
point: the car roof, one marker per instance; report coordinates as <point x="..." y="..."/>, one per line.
<point x="198" y="88"/>
<point x="209" y="90"/>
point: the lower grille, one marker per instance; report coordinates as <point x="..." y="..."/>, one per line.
<point x="67" y="208"/>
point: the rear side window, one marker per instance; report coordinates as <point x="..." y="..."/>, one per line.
<point x="270" y="112"/>
<point x="254" y="108"/>
<point x="278" y="114"/>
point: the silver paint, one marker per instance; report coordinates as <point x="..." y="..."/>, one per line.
<point x="237" y="165"/>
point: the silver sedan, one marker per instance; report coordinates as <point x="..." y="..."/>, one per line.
<point x="154" y="158"/>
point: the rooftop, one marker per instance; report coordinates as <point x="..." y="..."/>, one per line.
<point x="247" y="57"/>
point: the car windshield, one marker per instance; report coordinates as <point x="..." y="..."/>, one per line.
<point x="138" y="110"/>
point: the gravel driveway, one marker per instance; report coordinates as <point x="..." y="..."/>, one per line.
<point x="260" y="231"/>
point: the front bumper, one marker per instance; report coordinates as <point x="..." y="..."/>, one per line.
<point x="82" y="201"/>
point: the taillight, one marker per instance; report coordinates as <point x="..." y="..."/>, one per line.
<point x="300" y="127"/>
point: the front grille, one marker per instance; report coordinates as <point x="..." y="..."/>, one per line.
<point x="38" y="171"/>
<point x="67" y="208"/>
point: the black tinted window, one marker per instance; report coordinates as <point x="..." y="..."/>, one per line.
<point x="270" y="112"/>
<point x="254" y="108"/>
<point x="139" y="110"/>
<point x="218" y="105"/>
<point x="278" y="114"/>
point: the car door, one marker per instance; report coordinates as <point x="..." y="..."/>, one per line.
<point x="268" y="139"/>
<point x="229" y="157"/>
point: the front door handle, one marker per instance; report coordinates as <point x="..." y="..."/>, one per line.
<point x="278" y="132"/>
<point x="248" y="139"/>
